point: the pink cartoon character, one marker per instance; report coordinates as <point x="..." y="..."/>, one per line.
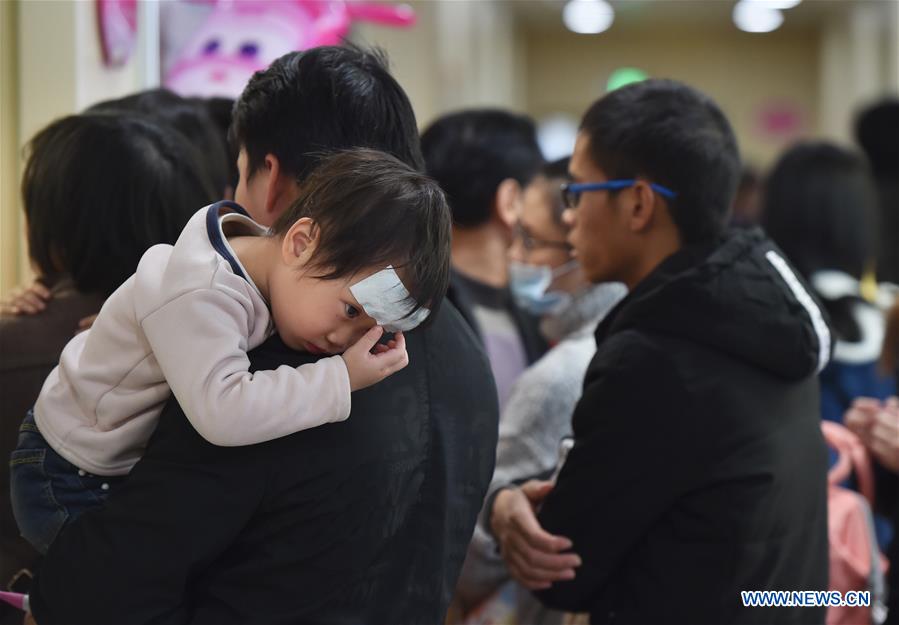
<point x="241" y="37"/>
<point x="117" y="21"/>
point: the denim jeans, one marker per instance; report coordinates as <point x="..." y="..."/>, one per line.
<point x="48" y="491"/>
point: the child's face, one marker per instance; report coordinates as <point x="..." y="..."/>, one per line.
<point x="317" y="316"/>
<point x="314" y="315"/>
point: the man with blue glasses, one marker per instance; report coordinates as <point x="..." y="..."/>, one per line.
<point x="698" y="468"/>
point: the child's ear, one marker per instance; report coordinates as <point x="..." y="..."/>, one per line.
<point x="299" y="242"/>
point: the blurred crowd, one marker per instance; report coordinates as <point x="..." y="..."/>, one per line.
<point x="667" y="329"/>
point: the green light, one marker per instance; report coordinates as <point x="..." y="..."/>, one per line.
<point x="625" y="76"/>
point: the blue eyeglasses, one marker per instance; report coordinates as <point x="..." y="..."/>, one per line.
<point x="571" y="191"/>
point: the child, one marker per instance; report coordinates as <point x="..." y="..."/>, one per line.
<point x="324" y="276"/>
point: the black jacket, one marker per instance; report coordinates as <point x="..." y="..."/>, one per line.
<point x="360" y="522"/>
<point x="699" y="468"/>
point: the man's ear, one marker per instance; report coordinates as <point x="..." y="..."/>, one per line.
<point x="507" y="202"/>
<point x="642" y="203"/>
<point x="299" y="242"/>
<point x="281" y="188"/>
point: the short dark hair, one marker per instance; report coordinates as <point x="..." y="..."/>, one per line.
<point x="219" y="110"/>
<point x="819" y="207"/>
<point x="471" y="152"/>
<point x="675" y="136"/>
<point x="875" y="130"/>
<point x="327" y="98"/>
<point x="188" y="116"/>
<point x="372" y="209"/>
<point x="100" y="188"/>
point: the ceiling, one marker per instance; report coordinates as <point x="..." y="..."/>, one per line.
<point x="640" y="15"/>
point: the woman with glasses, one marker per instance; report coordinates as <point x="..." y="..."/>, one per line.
<point x="545" y="280"/>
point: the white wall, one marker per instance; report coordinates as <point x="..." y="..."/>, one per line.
<point x="10" y="219"/>
<point x="858" y="63"/>
<point x="458" y="54"/>
<point x="58" y="70"/>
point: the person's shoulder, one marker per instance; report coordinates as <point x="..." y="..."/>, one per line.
<point x="568" y="358"/>
<point x="25" y="338"/>
<point x="193" y="265"/>
<point x="450" y="332"/>
<point x="457" y="373"/>
<point x="631" y="348"/>
<point x="451" y="345"/>
<point x="629" y="359"/>
<point x="39" y="339"/>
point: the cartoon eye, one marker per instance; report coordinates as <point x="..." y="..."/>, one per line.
<point x="249" y="50"/>
<point x="211" y="46"/>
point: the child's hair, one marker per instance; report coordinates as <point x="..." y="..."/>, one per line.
<point x="100" y="189"/>
<point x="326" y="98"/>
<point x="471" y="152"/>
<point x="675" y="136"/>
<point x="373" y="210"/>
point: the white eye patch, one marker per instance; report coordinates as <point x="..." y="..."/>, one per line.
<point x="385" y="299"/>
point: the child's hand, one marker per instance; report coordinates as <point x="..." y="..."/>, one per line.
<point x="366" y="368"/>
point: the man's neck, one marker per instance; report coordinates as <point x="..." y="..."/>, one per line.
<point x="657" y="250"/>
<point x="480" y="254"/>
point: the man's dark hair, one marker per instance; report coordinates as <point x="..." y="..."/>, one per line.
<point x="371" y="209"/>
<point x="191" y="118"/>
<point x="819" y="207"/>
<point x="471" y="152"/>
<point x="675" y="136"/>
<point x="329" y="98"/>
<point x="100" y="188"/>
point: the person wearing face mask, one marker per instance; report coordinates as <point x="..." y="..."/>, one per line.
<point x="483" y="159"/>
<point x="547" y="281"/>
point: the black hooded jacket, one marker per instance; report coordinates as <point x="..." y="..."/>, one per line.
<point x="699" y="468"/>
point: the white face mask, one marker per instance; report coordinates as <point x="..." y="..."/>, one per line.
<point x="385" y="299"/>
<point x="529" y="284"/>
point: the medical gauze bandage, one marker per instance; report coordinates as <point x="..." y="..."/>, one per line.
<point x="386" y="300"/>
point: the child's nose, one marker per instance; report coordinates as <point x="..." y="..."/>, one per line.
<point x="342" y="338"/>
<point x="338" y="341"/>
